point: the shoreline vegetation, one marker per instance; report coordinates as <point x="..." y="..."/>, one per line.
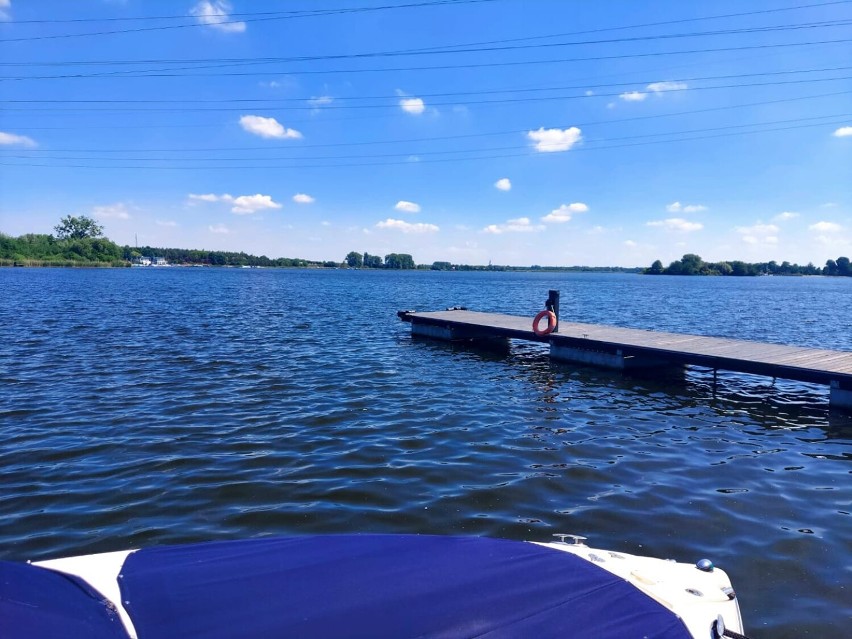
<point x="79" y="242"/>
<point x="691" y="264"/>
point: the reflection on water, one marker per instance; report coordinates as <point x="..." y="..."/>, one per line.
<point x="157" y="406"/>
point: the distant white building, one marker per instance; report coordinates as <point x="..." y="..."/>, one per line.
<point x="144" y="260"/>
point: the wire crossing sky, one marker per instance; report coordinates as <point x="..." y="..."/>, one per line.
<point x="512" y="131"/>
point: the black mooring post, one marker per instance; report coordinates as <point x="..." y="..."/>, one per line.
<point x="552" y="305"/>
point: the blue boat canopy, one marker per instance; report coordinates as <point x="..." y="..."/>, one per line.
<point x="376" y="586"/>
<point x="37" y="603"/>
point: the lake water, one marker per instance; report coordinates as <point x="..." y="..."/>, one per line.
<point x="152" y="406"/>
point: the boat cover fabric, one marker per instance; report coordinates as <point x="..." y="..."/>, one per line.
<point x="375" y="586"/>
<point x="38" y="603"/>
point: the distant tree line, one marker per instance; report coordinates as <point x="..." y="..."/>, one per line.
<point x="691" y="264"/>
<point x="78" y="241"/>
<point x="201" y="257"/>
<point x="448" y="266"/>
<point x="841" y="267"/>
<point x="355" y="259"/>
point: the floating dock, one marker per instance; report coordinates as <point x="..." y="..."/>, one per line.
<point x="629" y="348"/>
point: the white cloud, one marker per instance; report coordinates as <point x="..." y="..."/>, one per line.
<point x="219" y="228"/>
<point x="10" y="139"/>
<point x="563" y="213"/>
<point x="321" y="100"/>
<point x="242" y="205"/>
<point x="407" y="207"/>
<point x="825" y="227"/>
<point x="758" y="233"/>
<point x="555" y="140"/>
<point x="5" y="5"/>
<point x="325" y="223"/>
<point x="415" y="106"/>
<point x="209" y="197"/>
<point x="589" y="93"/>
<point x="759" y="229"/>
<point x="677" y="207"/>
<point x="519" y="225"/>
<point x="166" y="223"/>
<point x="248" y="204"/>
<point x="503" y="184"/>
<point x="267" y="127"/>
<point x="630" y="244"/>
<point x="281" y="82"/>
<point x="677" y="224"/>
<point x="769" y="239"/>
<point x="215" y="14"/>
<point x="116" y="211"/>
<point x="407" y="227"/>
<point x="303" y="198"/>
<point x="843" y="132"/>
<point x="785" y="216"/>
<point x="661" y="87"/>
<point x="657" y="88"/>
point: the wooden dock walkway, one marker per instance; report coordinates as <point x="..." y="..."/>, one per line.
<point x="629" y="348"/>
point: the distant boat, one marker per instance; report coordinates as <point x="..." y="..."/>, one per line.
<point x="366" y="586"/>
<point x="149" y="261"/>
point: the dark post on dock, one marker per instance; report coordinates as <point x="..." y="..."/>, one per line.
<point x="630" y="348"/>
<point x="552" y="305"/>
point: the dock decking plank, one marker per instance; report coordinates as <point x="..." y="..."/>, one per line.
<point x="777" y="360"/>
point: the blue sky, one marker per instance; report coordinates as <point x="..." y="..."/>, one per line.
<point x="512" y="131"/>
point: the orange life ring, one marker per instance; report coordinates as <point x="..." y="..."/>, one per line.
<point x="551" y="323"/>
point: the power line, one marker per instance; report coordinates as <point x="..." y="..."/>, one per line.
<point x="313" y="11"/>
<point x="201" y="64"/>
<point x="652" y="24"/>
<point x="638" y="118"/>
<point x="154" y="74"/>
<point x="264" y="18"/>
<point x="437" y="160"/>
<point x="410" y="153"/>
<point x="210" y="63"/>
<point x="431" y="104"/>
<point x="396" y="96"/>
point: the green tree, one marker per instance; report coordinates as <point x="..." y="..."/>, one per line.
<point x="77" y="228"/>
<point x="843" y="266"/>
<point x="830" y="268"/>
<point x="675" y="268"/>
<point x="354" y="260"/>
<point x="723" y="268"/>
<point x="399" y="261"/>
<point x="655" y="269"/>
<point x="739" y="267"/>
<point x="691" y="264"/>
<point x="372" y="261"/>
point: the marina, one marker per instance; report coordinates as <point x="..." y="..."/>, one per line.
<point x="633" y="349"/>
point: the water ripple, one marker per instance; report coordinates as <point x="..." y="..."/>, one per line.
<point x="144" y="407"/>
